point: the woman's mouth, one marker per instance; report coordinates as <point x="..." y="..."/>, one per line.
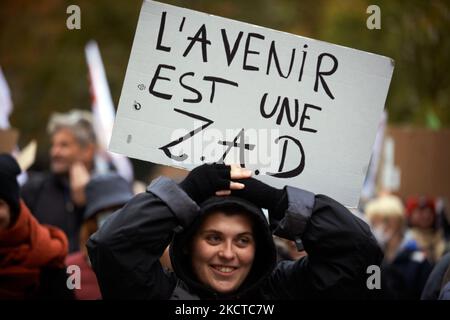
<point x="224" y="269"/>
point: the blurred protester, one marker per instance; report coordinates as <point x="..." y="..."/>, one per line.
<point x="104" y="194"/>
<point x="438" y="279"/>
<point x="444" y="219"/>
<point x="31" y="255"/>
<point x="405" y="267"/>
<point x="422" y="219"/>
<point x="57" y="198"/>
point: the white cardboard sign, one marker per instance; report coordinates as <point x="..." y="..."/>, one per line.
<point x="298" y="111"/>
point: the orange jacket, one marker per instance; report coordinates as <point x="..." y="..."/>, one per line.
<point x="26" y="248"/>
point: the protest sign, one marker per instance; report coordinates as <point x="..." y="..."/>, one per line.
<point x="297" y="111"/>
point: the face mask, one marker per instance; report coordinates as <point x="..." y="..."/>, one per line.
<point x="381" y="236"/>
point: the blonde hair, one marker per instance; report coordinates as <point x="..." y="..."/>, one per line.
<point x="387" y="206"/>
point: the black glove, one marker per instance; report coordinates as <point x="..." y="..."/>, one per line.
<point x="203" y="182"/>
<point x="262" y="195"/>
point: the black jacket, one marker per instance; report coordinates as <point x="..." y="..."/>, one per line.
<point x="434" y="283"/>
<point x="125" y="252"/>
<point x="49" y="199"/>
<point x="406" y="275"/>
<point x="53" y="285"/>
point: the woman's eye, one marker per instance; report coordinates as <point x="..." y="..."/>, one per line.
<point x="243" y="241"/>
<point x="213" y="239"/>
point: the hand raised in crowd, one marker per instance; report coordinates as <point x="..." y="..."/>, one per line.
<point x="213" y="179"/>
<point x="79" y="178"/>
<point x="236" y="172"/>
<point x="260" y="193"/>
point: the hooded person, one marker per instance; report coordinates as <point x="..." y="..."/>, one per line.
<point x="221" y="243"/>
<point x="185" y="248"/>
<point x="31" y="255"/>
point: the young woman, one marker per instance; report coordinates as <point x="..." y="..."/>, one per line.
<point x="221" y="243"/>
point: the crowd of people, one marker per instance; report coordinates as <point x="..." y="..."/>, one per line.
<point x="204" y="234"/>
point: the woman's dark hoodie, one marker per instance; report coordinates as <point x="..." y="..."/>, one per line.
<point x="125" y="252"/>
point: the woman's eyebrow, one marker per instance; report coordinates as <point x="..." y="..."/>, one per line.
<point x="250" y="233"/>
<point x="211" y="231"/>
<point x="246" y="233"/>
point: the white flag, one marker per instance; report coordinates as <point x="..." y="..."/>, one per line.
<point x="368" y="190"/>
<point x="5" y="110"/>
<point x="103" y="109"/>
<point x="5" y="102"/>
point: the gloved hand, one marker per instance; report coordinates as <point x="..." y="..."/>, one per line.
<point x="204" y="181"/>
<point x="262" y="195"/>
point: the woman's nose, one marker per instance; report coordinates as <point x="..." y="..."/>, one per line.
<point x="226" y="251"/>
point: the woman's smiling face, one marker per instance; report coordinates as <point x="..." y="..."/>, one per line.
<point x="223" y="251"/>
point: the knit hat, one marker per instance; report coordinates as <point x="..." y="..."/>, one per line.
<point x="420" y="202"/>
<point x="9" y="188"/>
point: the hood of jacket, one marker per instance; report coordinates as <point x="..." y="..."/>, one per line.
<point x="265" y="254"/>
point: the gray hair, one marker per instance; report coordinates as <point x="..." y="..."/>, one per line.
<point x="79" y="122"/>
